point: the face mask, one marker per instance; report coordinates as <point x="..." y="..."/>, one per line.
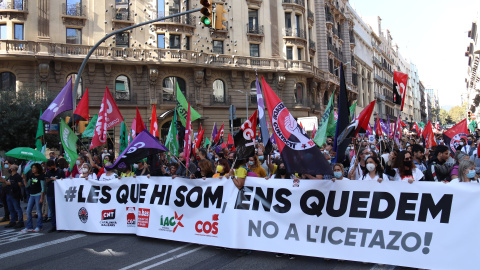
<point x="135" y="166"/>
<point x="260" y="158"/>
<point x="337" y="174"/>
<point x="461" y="143"/>
<point x="6" y="166"/>
<point x="282" y="171"/>
<point x="408" y="163"/>
<point x="370" y="167"/>
<point x="220" y="168"/>
<point x="372" y="146"/>
<point x="408" y="144"/>
<point x="65" y="170"/>
<point x="329" y="161"/>
<point x="421" y="144"/>
<point x="105" y="161"/>
<point x="348" y="148"/>
<point x="105" y="151"/>
<point x="250" y="163"/>
<point x="366" y="156"/>
<point x="216" y="159"/>
<point x="77" y="162"/>
<point x="471" y="174"/>
<point x="469" y="142"/>
<point x="84" y="170"/>
<point x="10" y="171"/>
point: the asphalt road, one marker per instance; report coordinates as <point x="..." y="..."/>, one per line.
<point x="79" y="250"/>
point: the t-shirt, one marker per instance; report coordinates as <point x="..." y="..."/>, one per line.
<point x="13" y="189"/>
<point x="35" y="184"/>
<point x="58" y="174"/>
<point x="416" y="174"/>
<point x="105" y="177"/>
<point x="259" y="171"/>
<point x="241" y="172"/>
<point x="457" y="180"/>
<point x="367" y="177"/>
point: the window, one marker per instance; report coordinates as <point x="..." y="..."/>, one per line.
<point x="252" y="20"/>
<point x="161" y="41"/>
<point x="74" y="36"/>
<point x="80" y="84"/>
<point x="74" y="8"/>
<point x="289" y="53"/>
<point x="298" y="25"/>
<point x="122" y="10"/>
<point x="8" y="81"/>
<point x="18" y="31"/>
<point x="330" y="65"/>
<point x="170" y="88"/>
<point x="325" y="99"/>
<point x="299" y="93"/>
<point x="219" y="91"/>
<point x="255" y="50"/>
<point x="288" y="20"/>
<point x="3" y="31"/>
<point x="174" y="41"/>
<point x="187" y="43"/>
<point x="253" y="92"/>
<point x="299" y="54"/>
<point x="122" y="40"/>
<point x="160" y="8"/>
<point x="218" y="46"/>
<point x="122" y="88"/>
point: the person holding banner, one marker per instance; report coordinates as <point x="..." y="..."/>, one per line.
<point x="357" y="169"/>
<point x="255" y="166"/>
<point x="223" y="168"/>
<point x="405" y="169"/>
<point x="109" y="173"/>
<point x="338" y="171"/>
<point x="204" y="170"/>
<point x="141" y="168"/>
<point x="87" y="173"/>
<point x="239" y="174"/>
<point x="467" y="173"/>
<point x="459" y="156"/>
<point x="373" y="170"/>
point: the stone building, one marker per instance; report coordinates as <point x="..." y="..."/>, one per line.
<point x="297" y="45"/>
<point x="472" y="80"/>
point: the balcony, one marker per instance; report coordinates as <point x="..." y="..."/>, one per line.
<point x="333" y="78"/>
<point x="379" y="96"/>
<point x="299" y="33"/>
<point x="74" y="14"/>
<point x="312" y="46"/>
<point x="335" y="31"/>
<point x="378" y="78"/>
<point x="294" y="5"/>
<point x="329" y="18"/>
<point x="15" y="9"/>
<point x="310" y="16"/>
<point x="376" y="61"/>
<point x="255" y="29"/>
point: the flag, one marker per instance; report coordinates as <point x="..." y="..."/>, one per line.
<point x="90" y="129"/>
<point x="108" y="117"/>
<point x="378" y="127"/>
<point x="415" y="127"/>
<point x="298" y="152"/>
<point x="207" y="143"/>
<point x="399" y="88"/>
<point x="182" y="107"/>
<point x="384" y="127"/>
<point x="314" y="131"/>
<point x="430" y="139"/>
<point x="425" y="130"/>
<point x="244" y="139"/>
<point x="453" y="135"/>
<point x="187" y="147"/>
<point x="472" y="126"/>
<point x="199" y="139"/>
<point x="69" y="143"/>
<point x="40" y="131"/>
<point x="230" y="142"/>
<point x="397" y="134"/>
<point x="343" y="118"/>
<point x="81" y="112"/>
<point x="139" y="125"/>
<point x="402" y="123"/>
<point x="123" y="137"/>
<point x="63" y="102"/>
<point x="214" y="131"/>
<point x="171" y="142"/>
<point x="389" y="126"/>
<point x="321" y="135"/>
<point x="154" y="123"/>
<point x="219" y="137"/>
<point x="358" y="124"/>
<point x="261" y="114"/>
<point x="133" y="127"/>
<point x="369" y="130"/>
<point x="352" y="110"/>
<point x="38" y="144"/>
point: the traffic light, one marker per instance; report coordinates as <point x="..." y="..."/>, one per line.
<point x="219" y="19"/>
<point x="469" y="115"/>
<point x="207" y="19"/>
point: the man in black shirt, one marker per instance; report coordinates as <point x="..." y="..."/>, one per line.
<point x="52" y="175"/>
<point x="13" y="193"/>
<point x="437" y="169"/>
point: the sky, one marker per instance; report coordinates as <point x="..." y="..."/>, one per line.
<point x="432" y="34"/>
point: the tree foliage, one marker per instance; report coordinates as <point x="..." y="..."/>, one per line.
<point x="458" y="113"/>
<point x="443" y="117"/>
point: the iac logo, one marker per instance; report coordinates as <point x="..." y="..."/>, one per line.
<point x="108" y="218"/>
<point x="167" y="223"/>
<point x="207" y="228"/>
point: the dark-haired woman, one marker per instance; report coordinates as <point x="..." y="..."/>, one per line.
<point x="373" y="170"/>
<point x="35" y="183"/>
<point x="405" y="169"/>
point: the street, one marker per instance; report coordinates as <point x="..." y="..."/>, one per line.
<point x="79" y="250"/>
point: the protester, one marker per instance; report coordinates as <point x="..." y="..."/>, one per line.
<point x="437" y="169"/>
<point x="459" y="156"/>
<point x="239" y="174"/>
<point x="357" y="169"/>
<point x="204" y="170"/>
<point x="338" y="172"/>
<point x="172" y="170"/>
<point x="13" y="185"/>
<point x="405" y="169"/>
<point x="51" y="176"/>
<point x="466" y="173"/>
<point x="373" y="170"/>
<point x="223" y="168"/>
<point x="141" y="168"/>
<point x="35" y="183"/>
<point x="109" y="174"/>
<point x="87" y="172"/>
<point x="418" y="156"/>
<point x="255" y="166"/>
<point x="76" y="168"/>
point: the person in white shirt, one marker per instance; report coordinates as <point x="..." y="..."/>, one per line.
<point x="86" y="172"/>
<point x="338" y="172"/>
<point x="374" y="170"/>
<point x="405" y="169"/>
<point x="466" y="172"/>
<point x="109" y="173"/>
<point x="357" y="166"/>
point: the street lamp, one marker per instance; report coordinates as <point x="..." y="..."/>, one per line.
<point x="246" y="99"/>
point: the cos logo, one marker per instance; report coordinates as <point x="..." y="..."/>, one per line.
<point x="207" y="227"/>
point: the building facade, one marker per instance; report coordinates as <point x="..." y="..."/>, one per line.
<point x="433" y="105"/>
<point x="296" y="45"/>
<point x="471" y="97"/>
<point x="423" y="103"/>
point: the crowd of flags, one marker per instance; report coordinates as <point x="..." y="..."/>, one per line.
<point x="297" y="149"/>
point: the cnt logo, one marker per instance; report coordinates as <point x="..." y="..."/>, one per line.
<point x="207" y="228"/>
<point x="143" y="217"/>
<point x="131" y="220"/>
<point x="108" y="218"/>
<point x="167" y="223"/>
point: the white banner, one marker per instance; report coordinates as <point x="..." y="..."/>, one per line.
<point x="424" y="224"/>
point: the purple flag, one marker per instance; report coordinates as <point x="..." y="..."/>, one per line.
<point x="261" y="115"/>
<point x="388" y="125"/>
<point x="214" y="131"/>
<point x="384" y="127"/>
<point x="141" y="147"/>
<point x="63" y="102"/>
<point x="272" y="139"/>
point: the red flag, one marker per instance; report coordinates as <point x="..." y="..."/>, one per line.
<point x="415" y="127"/>
<point x="244" y="139"/>
<point x="364" y="118"/>
<point x="132" y="128"/>
<point x="430" y="140"/>
<point x="81" y="112"/>
<point x="108" y="117"/>
<point x="400" y="82"/>
<point x="154" y="123"/>
<point x="378" y="130"/>
<point x="187" y="148"/>
<point x="314" y="131"/>
<point x="402" y="123"/>
<point x="453" y="136"/>
<point x="219" y="134"/>
<point x="199" y="139"/>
<point x="425" y="131"/>
<point x="230" y="142"/>
<point x="139" y="125"/>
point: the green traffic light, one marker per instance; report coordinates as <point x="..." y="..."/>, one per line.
<point x="206" y="21"/>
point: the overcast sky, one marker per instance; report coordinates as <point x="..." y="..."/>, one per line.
<point x="433" y="35"/>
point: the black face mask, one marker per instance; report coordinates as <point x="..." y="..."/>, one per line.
<point x="10" y="171"/>
<point x="282" y="171"/>
<point x="408" y="163"/>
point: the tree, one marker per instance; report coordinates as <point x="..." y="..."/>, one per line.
<point x="443" y="115"/>
<point x="458" y="113"/>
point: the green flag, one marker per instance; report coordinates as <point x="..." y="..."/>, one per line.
<point x="38" y="144"/>
<point x="172" y="142"/>
<point x="207" y="142"/>
<point x="327" y="121"/>
<point x="472" y="126"/>
<point x="69" y="142"/>
<point x="90" y="129"/>
<point x="182" y="108"/>
<point x="422" y="125"/>
<point x="40" y="131"/>
<point x="352" y="110"/>
<point x="123" y="137"/>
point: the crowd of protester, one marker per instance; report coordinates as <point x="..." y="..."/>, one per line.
<point x="379" y="160"/>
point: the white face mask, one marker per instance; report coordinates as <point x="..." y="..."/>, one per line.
<point x="84" y="170"/>
<point x="77" y="162"/>
<point x="370" y="167"/>
<point x="461" y="143"/>
<point x="135" y="166"/>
